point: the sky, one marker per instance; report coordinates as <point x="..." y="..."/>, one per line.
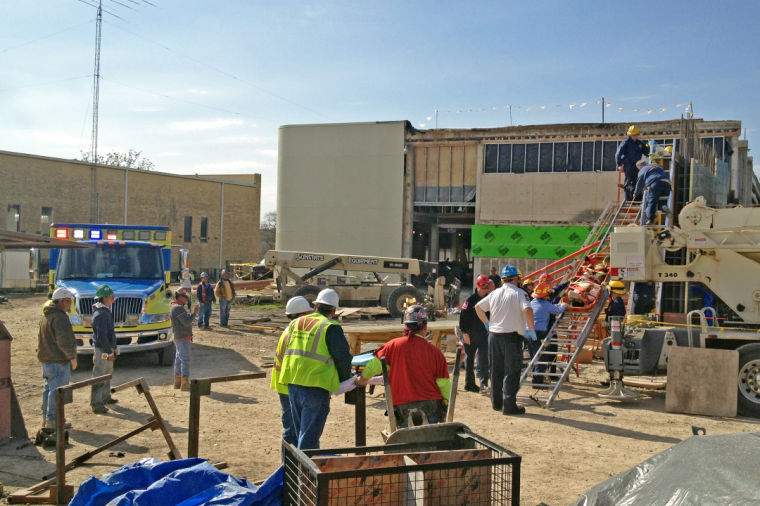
<point x="202" y="87"/>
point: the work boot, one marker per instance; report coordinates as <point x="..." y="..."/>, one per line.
<point x="471" y="388"/>
<point x="111" y="400"/>
<point x="100" y="410"/>
<point x="177" y="381"/>
<point x="185" y="385"/>
<point x="513" y="410"/>
<point x="484" y="390"/>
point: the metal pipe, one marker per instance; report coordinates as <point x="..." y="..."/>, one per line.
<point x="360" y="416"/>
<point x="221" y="227"/>
<point x="126" y="187"/>
<point x="388" y="397"/>
<point x="454" y="384"/>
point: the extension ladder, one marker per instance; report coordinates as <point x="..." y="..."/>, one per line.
<point x="565" y="340"/>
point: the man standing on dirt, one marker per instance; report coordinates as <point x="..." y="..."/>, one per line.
<point x="295" y="308"/>
<point x="56" y="350"/>
<point x="205" y="295"/>
<point x="316" y="361"/>
<point x="475" y="338"/>
<point x="225" y="292"/>
<point x="417" y="371"/>
<point x="104" y="349"/>
<point x="510" y="315"/>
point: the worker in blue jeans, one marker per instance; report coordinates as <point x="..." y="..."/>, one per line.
<point x="206" y="297"/>
<point x="656" y="181"/>
<point x="56" y="350"/>
<point x="316" y="360"/>
<point x="182" y="328"/>
<point x="295" y="308"/>
<point x="225" y="293"/>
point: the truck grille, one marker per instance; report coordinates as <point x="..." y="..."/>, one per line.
<point x="122" y="307"/>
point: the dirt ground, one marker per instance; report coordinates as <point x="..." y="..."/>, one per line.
<point x="581" y="441"/>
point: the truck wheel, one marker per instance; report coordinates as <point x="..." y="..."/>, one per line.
<point x="749" y="380"/>
<point x="398" y="297"/>
<point x="166" y="355"/>
<point x="309" y="292"/>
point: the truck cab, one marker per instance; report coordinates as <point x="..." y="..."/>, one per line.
<point x="135" y="262"/>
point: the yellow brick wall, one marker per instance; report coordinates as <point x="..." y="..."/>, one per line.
<point x="153" y="198"/>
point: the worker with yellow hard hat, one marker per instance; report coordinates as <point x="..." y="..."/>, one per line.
<point x="630" y="151"/>
<point x="616" y="306"/>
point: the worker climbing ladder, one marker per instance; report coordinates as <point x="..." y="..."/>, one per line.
<point x="565" y="340"/>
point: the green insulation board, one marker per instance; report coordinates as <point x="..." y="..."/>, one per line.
<point x="526" y="241"/>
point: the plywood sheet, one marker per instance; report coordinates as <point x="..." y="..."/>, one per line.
<point x="702" y="381"/>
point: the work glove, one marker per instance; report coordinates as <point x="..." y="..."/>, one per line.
<point x="531" y="335"/>
<point x="487" y="328"/>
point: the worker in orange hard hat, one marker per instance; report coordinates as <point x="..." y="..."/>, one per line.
<point x="543" y="315"/>
<point x="630" y="151"/>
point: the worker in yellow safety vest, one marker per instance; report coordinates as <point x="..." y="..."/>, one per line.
<point x="295" y="308"/>
<point x="316" y="360"/>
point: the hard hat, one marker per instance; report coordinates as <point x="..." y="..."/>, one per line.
<point x="297" y="305"/>
<point x="103" y="291"/>
<point x="633" y="130"/>
<point x="415" y="314"/>
<point x="204" y="274"/>
<point x="182" y="292"/>
<point x="542" y="290"/>
<point x="327" y="296"/>
<point x="482" y="281"/>
<point x="509" y="271"/>
<point x="62" y="293"/>
<point x="616" y="287"/>
<point x="669" y="149"/>
<point x="528" y="281"/>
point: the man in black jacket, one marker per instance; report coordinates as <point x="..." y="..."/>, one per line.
<point x="104" y="348"/>
<point x="475" y="338"/>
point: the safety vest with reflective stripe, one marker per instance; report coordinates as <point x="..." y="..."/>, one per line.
<point x="307" y="360"/>
<point x="281" y="345"/>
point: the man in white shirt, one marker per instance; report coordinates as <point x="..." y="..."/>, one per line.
<point x="511" y="315"/>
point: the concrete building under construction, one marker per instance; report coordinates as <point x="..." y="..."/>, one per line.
<point x="386" y="188"/>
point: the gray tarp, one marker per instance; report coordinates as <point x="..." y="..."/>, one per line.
<point x="701" y="470"/>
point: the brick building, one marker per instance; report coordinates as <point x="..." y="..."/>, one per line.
<point x="215" y="217"/>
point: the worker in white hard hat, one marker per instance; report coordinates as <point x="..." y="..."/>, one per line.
<point x="295" y="308"/>
<point x="630" y="151"/>
<point x="316" y="360"/>
<point x="56" y="350"/>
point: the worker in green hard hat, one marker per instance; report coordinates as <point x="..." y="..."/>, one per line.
<point x="104" y="348"/>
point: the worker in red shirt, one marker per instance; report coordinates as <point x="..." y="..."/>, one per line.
<point x="418" y="372"/>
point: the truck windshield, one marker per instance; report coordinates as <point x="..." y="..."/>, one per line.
<point x="111" y="261"/>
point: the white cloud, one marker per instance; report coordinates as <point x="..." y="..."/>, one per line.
<point x="240" y="139"/>
<point x="149" y="108"/>
<point x="231" y="166"/>
<point x="193" y="126"/>
<point x="195" y="91"/>
<point x="271" y="153"/>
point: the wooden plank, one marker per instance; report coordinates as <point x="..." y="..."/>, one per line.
<point x="702" y="381"/>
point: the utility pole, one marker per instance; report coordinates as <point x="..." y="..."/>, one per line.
<point x="95" y="198"/>
<point x="510" y="115"/>
<point x="602" y="110"/>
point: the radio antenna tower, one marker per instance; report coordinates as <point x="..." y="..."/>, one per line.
<point x="95" y="204"/>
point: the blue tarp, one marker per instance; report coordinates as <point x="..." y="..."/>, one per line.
<point x="186" y="482"/>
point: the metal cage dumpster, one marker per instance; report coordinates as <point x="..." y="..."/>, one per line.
<point x="465" y="469"/>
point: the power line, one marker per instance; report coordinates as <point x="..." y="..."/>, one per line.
<point x="46" y="83"/>
<point x="104" y="10"/>
<point x="45" y="36"/>
<point x="224" y="72"/>
<point x="163" y="95"/>
<point x="122" y="4"/>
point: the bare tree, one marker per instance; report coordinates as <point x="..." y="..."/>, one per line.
<point x="132" y="159"/>
<point x="267" y="232"/>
